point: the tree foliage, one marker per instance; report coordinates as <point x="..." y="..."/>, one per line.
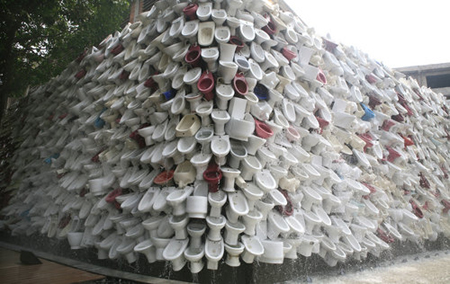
<point x="39" y="38"/>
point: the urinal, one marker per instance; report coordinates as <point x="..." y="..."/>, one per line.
<point x="249" y="166"/>
<point x="214" y="251"/>
<point x="265" y="181"/>
<point x="204" y="137"/>
<point x="204" y="11"/>
<point x="238" y="153"/>
<point x="184" y="174"/>
<point x="178" y="224"/>
<point x="238" y="206"/>
<point x="174" y="252"/>
<point x="220" y="146"/>
<point x="219" y="16"/>
<point x="148" y="249"/>
<point x="220" y="118"/>
<point x="203" y="110"/>
<point x="227" y="51"/>
<point x="210" y="56"/>
<point x="177" y="199"/>
<point x="252" y="248"/>
<point x="229" y="175"/>
<point x="212" y="175"/>
<point x="200" y="161"/>
<point x="273" y="252"/>
<point x="151" y="224"/>
<point x="206" y="85"/>
<point x="195" y="257"/>
<point x="233" y="252"/>
<point x="247" y="31"/>
<point x="250" y="221"/>
<point x="232" y="232"/>
<point x="206" y="33"/>
<point x="224" y="93"/>
<point x="187" y="127"/>
<point x="227" y="70"/>
<point x="190" y="30"/>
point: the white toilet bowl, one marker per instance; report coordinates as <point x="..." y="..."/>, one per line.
<point x="237" y="206"/>
<point x="229" y="175"/>
<point x="174" y="252"/>
<point x="252" y="248"/>
<point x="200" y="161"/>
<point x="178" y="224"/>
<point x="214" y="251"/>
<point x="224" y="93"/>
<point x="276" y="225"/>
<point x="148" y="249"/>
<point x="265" y="181"/>
<point x="249" y="166"/>
<point x="233" y="252"/>
<point x="216" y="201"/>
<point x="195" y="257"/>
<point x="177" y="200"/>
<point x="238" y="153"/>
<point x="232" y="232"/>
<point x="253" y="193"/>
<point x="215" y="224"/>
<point x="220" y="146"/>
<point x="220" y="118"/>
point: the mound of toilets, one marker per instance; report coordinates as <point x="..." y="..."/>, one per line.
<point x="228" y="130"/>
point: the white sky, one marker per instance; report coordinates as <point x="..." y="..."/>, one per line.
<point x="398" y="33"/>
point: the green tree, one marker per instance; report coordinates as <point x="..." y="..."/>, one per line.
<point x="39" y="38"/>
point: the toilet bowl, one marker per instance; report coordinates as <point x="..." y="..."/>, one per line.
<point x="151" y="224"/>
<point x="227" y="70"/>
<point x="212" y="175"/>
<point x="310" y="197"/>
<point x="220" y="146"/>
<point x="196" y="231"/>
<point x="238" y="206"/>
<point x="250" y="221"/>
<point x="178" y="224"/>
<point x="222" y="35"/>
<point x="215" y="225"/>
<point x="194" y="100"/>
<point x="216" y="200"/>
<point x="184" y="174"/>
<point x="240" y="128"/>
<point x="148" y="249"/>
<point x="352" y="242"/>
<point x="126" y="248"/>
<point x="74" y="239"/>
<point x="200" y="161"/>
<point x="220" y="118"/>
<point x="174" y="252"/>
<point x="233" y="252"/>
<point x="253" y="194"/>
<point x="160" y="245"/>
<point x="254" y="143"/>
<point x="214" y="251"/>
<point x="252" y="248"/>
<point x="190" y="30"/>
<point x="229" y="176"/>
<point x="160" y="203"/>
<point x="206" y="33"/>
<point x="177" y="199"/>
<point x="320" y="212"/>
<point x="224" y="93"/>
<point x="249" y="166"/>
<point x="232" y="232"/>
<point x="242" y="63"/>
<point x="204" y="110"/>
<point x="276" y="225"/>
<point x="312" y="221"/>
<point x="210" y="56"/>
<point x="247" y="31"/>
<point x="265" y="181"/>
<point x="171" y="151"/>
<point x="204" y="137"/>
<point x="147" y="201"/>
<point x="273" y="252"/>
<point x="204" y="11"/>
<point x="190" y="11"/>
<point x="195" y="256"/>
<point x="306" y="245"/>
<point x="192" y="58"/>
<point x="238" y="153"/>
<point x="219" y="16"/>
<point x="187" y="127"/>
<point x="206" y="85"/>
<point x="262" y="129"/>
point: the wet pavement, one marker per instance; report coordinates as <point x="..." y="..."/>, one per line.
<point x="424" y="268"/>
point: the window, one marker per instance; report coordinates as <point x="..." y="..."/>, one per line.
<point x="438" y="81"/>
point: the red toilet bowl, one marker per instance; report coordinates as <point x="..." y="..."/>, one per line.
<point x="262" y="129"/>
<point x="240" y="85"/>
<point x="190" y="11"/>
<point x="193" y="56"/>
<point x="206" y="85"/>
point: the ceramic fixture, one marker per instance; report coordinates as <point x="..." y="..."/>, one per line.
<point x="240" y="84"/>
<point x="263" y="130"/>
<point x="224" y="93"/>
<point x="242" y="63"/>
<point x="197" y="206"/>
<point x="177" y="199"/>
<point x="190" y="30"/>
<point x="174" y="252"/>
<point x="178" y="224"/>
<point x="196" y="231"/>
<point x="215" y="224"/>
<point x="204" y="11"/>
<point x="250" y="221"/>
<point x="253" y="194"/>
<point x="74" y="239"/>
<point x="194" y="100"/>
<point x="276" y="225"/>
<point x="216" y="201"/>
<point x="148" y="249"/>
<point x="206" y="33"/>
<point x="233" y="252"/>
<point x="273" y="252"/>
<point x="188" y="126"/>
<point x="220" y="146"/>
<point x="227" y="53"/>
<point x="233" y="6"/>
<point x="232" y="232"/>
<point x="220" y="118"/>
<point x="238" y="153"/>
<point x="203" y="110"/>
<point x="126" y="248"/>
<point x="214" y="251"/>
<point x="253" y="248"/>
<point x="240" y="129"/>
<point x="219" y="16"/>
<point x="254" y="143"/>
<point x="265" y="180"/>
<point x="151" y="224"/>
<point x="237" y="206"/>
<point x="192" y="58"/>
<point x="249" y="166"/>
<point x="147" y="201"/>
<point x="312" y="221"/>
<point x="227" y="70"/>
<point x="222" y="35"/>
<point x="204" y="137"/>
<point x="206" y="85"/>
<point x="190" y="11"/>
<point x="195" y="257"/>
<point x="184" y="174"/>
<point x="247" y="31"/>
<point x="212" y="175"/>
<point x="229" y="175"/>
<point x="210" y="56"/>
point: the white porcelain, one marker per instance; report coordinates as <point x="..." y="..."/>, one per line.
<point x="203" y="110"/>
<point x="250" y="221"/>
<point x="227" y="51"/>
<point x="186" y="146"/>
<point x="233" y="252"/>
<point x="215" y="225"/>
<point x="216" y="201"/>
<point x="222" y="35"/>
<point x="227" y="70"/>
<point x="265" y="181"/>
<point x="276" y="225"/>
<point x="151" y="224"/>
<point x="210" y="56"/>
<point x="204" y="11"/>
<point x="224" y="93"/>
<point x="197" y="206"/>
<point x="220" y="146"/>
<point x="126" y="248"/>
<point x="238" y="152"/>
<point x="148" y="249"/>
<point x="214" y="251"/>
<point x="273" y="252"/>
<point x="177" y="199"/>
<point x="174" y="252"/>
<point x="178" y="224"/>
<point x="240" y="129"/>
<point x="253" y="248"/>
<point x="75" y="239"/>
<point x="220" y="118"/>
<point x="200" y="161"/>
<point x="204" y="136"/>
<point x="219" y="16"/>
<point x="254" y="143"/>
<point x="306" y="246"/>
<point x="249" y="166"/>
<point x="229" y="176"/>
<point x="247" y="31"/>
<point x="232" y="232"/>
<point x="238" y="206"/>
<point x="190" y="30"/>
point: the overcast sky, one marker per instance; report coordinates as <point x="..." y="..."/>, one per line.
<point x="398" y="33"/>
